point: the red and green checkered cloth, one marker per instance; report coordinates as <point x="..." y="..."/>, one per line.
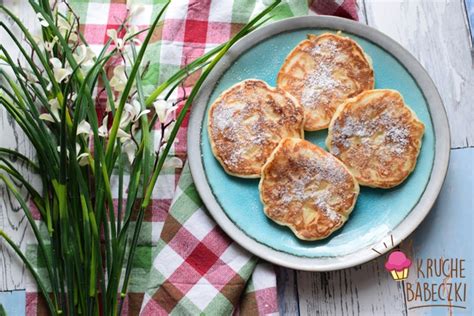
<point x="184" y="263"/>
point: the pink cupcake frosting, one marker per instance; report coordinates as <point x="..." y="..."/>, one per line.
<point x="398" y="261"/>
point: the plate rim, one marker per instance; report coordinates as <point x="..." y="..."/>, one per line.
<point x="403" y="229"/>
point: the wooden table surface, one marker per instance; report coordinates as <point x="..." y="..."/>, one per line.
<point x="436" y="33"/>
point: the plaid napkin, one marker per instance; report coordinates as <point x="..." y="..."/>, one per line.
<point x="199" y="269"/>
<point x="184" y="263"/>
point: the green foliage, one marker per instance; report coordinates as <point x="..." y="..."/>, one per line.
<point x="51" y="97"/>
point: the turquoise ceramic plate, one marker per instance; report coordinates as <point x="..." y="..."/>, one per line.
<point x="379" y="214"/>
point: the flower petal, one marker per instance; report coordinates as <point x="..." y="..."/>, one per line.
<point x="84" y="128"/>
<point x="130" y="148"/>
<point x="73" y="37"/>
<point x="54" y="103"/>
<point x="83" y="159"/>
<point x="161" y="106"/>
<point x="61" y="73"/>
<point x="170" y="111"/>
<point x="119" y="79"/>
<point x="136" y="107"/>
<point x="122" y="135"/>
<point x="46" y="117"/>
<point x="42" y="20"/>
<point x="144" y="112"/>
<point x="173" y="162"/>
<point x="55" y="62"/>
<point x="125" y="120"/>
<point x="102" y="130"/>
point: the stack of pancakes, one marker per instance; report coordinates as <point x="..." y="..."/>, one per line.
<point x="327" y="81"/>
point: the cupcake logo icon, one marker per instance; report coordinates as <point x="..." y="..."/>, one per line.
<point x="397" y="264"/>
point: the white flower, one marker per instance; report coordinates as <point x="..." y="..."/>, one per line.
<point x="73" y="37"/>
<point x="163" y="109"/>
<point x="173" y="163"/>
<point x="42" y="20"/>
<point x="54" y="109"/>
<point x="66" y="28"/>
<point x="130" y="148"/>
<point x="126" y="115"/>
<point x="54" y="103"/>
<point x="83" y="128"/>
<point x="119" y="79"/>
<point x="131" y="34"/>
<point x="132" y="113"/>
<point x="50" y="45"/>
<point x="63" y="25"/>
<point x="83" y="54"/>
<point x="137" y="111"/>
<point x="60" y="72"/>
<point x="123" y="135"/>
<point x="46" y="117"/>
<point x="112" y="33"/>
<point x="83" y="159"/>
<point x="103" y="131"/>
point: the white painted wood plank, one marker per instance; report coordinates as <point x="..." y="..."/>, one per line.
<point x="361" y="11"/>
<point x="287" y="291"/>
<point x="436" y="34"/>
<point x="12" y="219"/>
<point x="452" y="214"/>
<point x="364" y="290"/>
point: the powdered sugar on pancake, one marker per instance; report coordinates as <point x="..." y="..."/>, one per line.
<point x="377" y="136"/>
<point x="307" y="189"/>
<point x="326" y="48"/>
<point x="321" y="80"/>
<point x="322" y="72"/>
<point x="229" y="119"/>
<point x="386" y="126"/>
<point x="317" y="83"/>
<point x="320" y="170"/>
<point x="246" y="123"/>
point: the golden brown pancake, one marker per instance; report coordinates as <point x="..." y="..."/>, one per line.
<point x="307" y="189"/>
<point x="248" y="121"/>
<point x="322" y="72"/>
<point x="377" y="137"/>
